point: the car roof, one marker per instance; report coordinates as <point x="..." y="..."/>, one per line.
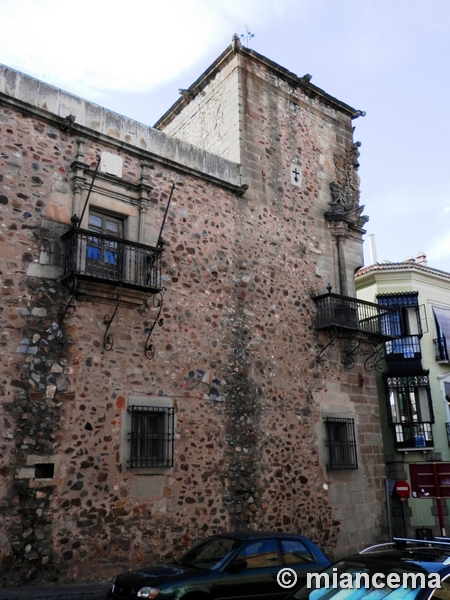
<point x="250" y="535"/>
<point x="380" y="561"/>
<point x="428" y="553"/>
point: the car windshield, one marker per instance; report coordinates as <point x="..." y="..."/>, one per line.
<point x="209" y="553"/>
<point x="353" y="580"/>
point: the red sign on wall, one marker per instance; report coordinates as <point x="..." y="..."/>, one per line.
<point x="426" y="483"/>
<point x="402" y="489"/>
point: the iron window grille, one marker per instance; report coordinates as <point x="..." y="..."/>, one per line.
<point x="447" y="427"/>
<point x="440" y="349"/>
<point x="403" y="324"/>
<point x="151" y="436"/>
<point x="410" y="411"/>
<point x="341" y="443"/>
<point x="442" y="324"/>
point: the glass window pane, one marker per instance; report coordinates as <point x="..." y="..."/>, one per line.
<point x="413" y="406"/>
<point x="210" y="552"/>
<point x="93" y="253"/>
<point x="423" y="404"/>
<point x="95" y="221"/>
<point x="393" y="405"/>
<point x="295" y="552"/>
<point x="110" y="257"/>
<point x="112" y="226"/>
<point x="260" y="554"/>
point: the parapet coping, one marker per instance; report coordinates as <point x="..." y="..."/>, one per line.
<point x="53" y="105"/>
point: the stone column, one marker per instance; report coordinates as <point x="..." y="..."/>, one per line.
<point x="144" y="191"/>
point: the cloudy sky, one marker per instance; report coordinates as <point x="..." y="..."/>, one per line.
<point x="387" y="57"/>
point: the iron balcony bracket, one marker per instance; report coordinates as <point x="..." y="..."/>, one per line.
<point x="157" y="300"/>
<point x="354" y="346"/>
<point x="331" y="344"/>
<point x="108" y="338"/>
<point x="350" y="352"/>
<point x="375" y="360"/>
<point x="374" y="357"/>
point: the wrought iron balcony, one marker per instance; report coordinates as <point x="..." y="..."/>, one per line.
<point x="440" y="348"/>
<point x="413" y="436"/>
<point x="336" y="311"/>
<point x="102" y="258"/>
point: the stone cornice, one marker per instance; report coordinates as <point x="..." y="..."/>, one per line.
<point x="54" y="106"/>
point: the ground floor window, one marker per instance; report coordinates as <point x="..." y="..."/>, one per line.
<point x="341" y="443"/>
<point x="151" y="436"/>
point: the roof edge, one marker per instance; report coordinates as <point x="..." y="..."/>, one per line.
<point x="234" y="48"/>
<point x="402" y="266"/>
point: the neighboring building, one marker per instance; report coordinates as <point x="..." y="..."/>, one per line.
<point x="170" y="371"/>
<point x="415" y="387"/>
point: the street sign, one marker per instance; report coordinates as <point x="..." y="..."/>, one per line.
<point x="402" y="489"/>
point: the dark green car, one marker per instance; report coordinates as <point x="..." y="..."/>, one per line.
<point x="229" y="566"/>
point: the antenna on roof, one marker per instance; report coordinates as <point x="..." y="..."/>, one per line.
<point x="247" y="36"/>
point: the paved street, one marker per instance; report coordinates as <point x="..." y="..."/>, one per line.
<point x="81" y="591"/>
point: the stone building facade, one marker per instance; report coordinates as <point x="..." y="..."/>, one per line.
<point x="157" y="391"/>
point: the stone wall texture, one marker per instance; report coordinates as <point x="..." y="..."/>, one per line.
<point x="236" y="353"/>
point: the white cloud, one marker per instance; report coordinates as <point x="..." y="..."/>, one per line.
<point x="93" y="47"/>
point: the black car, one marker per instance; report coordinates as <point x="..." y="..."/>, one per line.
<point x="229" y="566"/>
<point x="402" y="570"/>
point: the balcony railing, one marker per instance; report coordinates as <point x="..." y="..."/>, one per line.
<point x="102" y="258"/>
<point x="345" y="312"/>
<point x="440" y="348"/>
<point x="413" y="436"/>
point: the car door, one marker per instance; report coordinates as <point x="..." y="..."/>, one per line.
<point x="297" y="556"/>
<point x="257" y="578"/>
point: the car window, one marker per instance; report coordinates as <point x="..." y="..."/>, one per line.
<point x="262" y="553"/>
<point x="294" y="552"/>
<point x="209" y="553"/>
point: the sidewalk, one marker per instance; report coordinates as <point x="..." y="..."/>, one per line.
<point x="75" y="591"/>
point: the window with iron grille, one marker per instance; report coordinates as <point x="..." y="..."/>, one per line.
<point x="410" y="411"/>
<point x="442" y="342"/>
<point x="404" y="324"/>
<point x="151" y="436"/>
<point x="341" y="443"/>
